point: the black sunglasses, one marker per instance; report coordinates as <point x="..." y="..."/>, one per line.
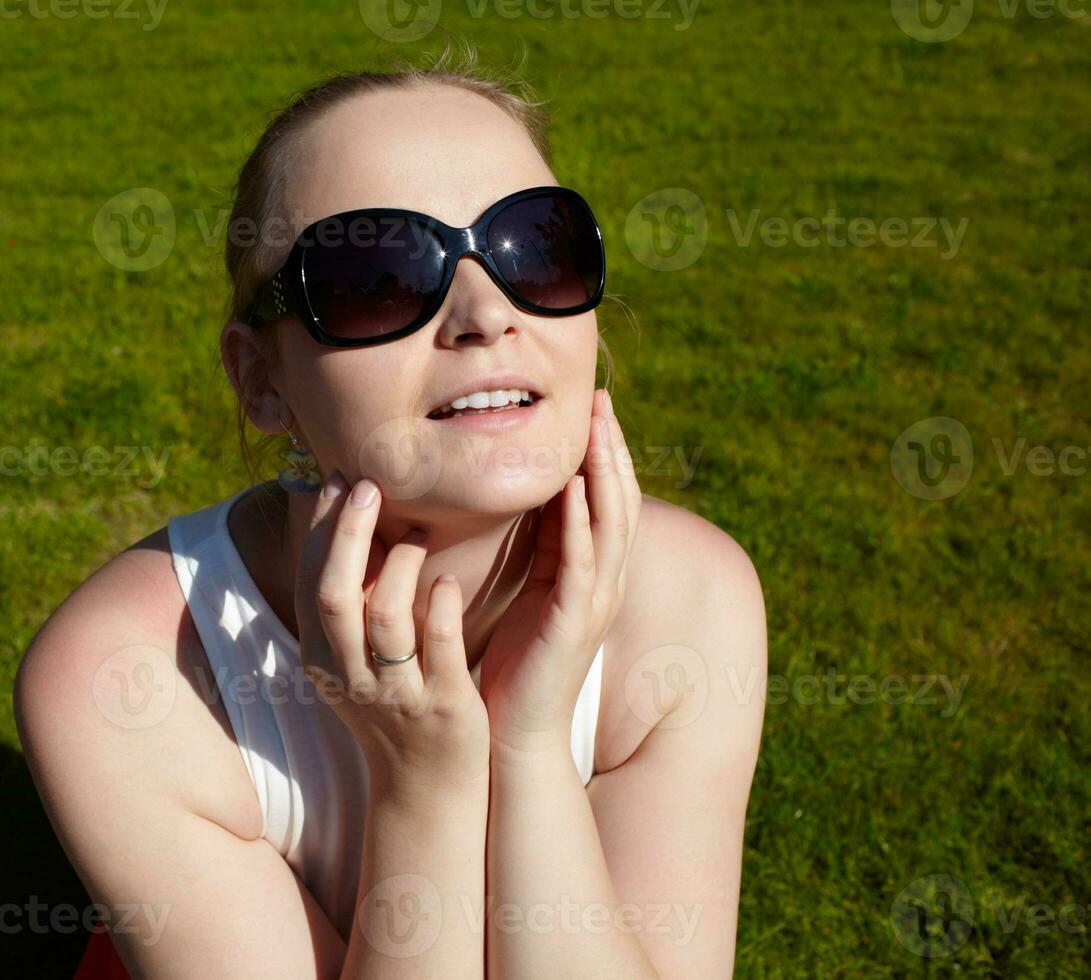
<point x="373" y="275"/>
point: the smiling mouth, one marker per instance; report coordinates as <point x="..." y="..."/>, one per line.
<point x="439" y="415"/>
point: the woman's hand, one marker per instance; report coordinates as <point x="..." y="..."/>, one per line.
<point x="422" y="723"/>
<point x="540" y="651"/>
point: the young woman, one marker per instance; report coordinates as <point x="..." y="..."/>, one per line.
<point x="452" y="698"/>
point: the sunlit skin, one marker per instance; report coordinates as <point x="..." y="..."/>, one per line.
<point x="362" y="411"/>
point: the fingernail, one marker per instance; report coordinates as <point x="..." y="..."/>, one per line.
<point x="335" y="486"/>
<point x="609" y="402"/>
<point x="604" y="429"/>
<point x="364" y="493"/>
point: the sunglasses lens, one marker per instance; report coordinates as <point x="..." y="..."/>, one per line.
<point x="548" y="250"/>
<point x="371" y="277"/>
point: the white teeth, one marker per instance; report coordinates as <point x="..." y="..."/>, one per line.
<point x="487" y="399"/>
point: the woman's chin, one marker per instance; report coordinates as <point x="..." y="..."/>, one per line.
<point x="497" y="494"/>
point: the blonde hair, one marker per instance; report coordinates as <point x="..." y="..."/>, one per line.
<point x="259" y="191"/>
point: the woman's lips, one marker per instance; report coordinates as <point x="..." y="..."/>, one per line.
<point x="504" y="419"/>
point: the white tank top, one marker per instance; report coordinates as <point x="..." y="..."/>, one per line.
<point x="309" y="772"/>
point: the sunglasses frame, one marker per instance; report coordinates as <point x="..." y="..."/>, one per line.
<point x="286" y="291"/>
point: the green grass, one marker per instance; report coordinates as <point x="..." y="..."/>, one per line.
<point x="793" y="369"/>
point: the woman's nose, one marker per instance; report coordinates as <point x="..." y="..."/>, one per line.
<point x="475" y="309"/>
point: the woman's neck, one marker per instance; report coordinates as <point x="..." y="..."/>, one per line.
<point x="490" y="557"/>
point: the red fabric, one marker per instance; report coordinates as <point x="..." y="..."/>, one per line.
<point x="100" y="960"/>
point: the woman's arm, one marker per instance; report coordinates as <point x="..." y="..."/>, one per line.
<point x="422" y="887"/>
<point x="638" y="875"/>
<point x="137" y="792"/>
<point x="132" y="778"/>
<point x="423" y="730"/>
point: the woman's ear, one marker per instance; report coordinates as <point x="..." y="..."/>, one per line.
<point x="248" y="364"/>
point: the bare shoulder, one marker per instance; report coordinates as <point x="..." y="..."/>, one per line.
<point x="115" y="687"/>
<point x="692" y="627"/>
<point x="130" y="751"/>
<point x="672" y="542"/>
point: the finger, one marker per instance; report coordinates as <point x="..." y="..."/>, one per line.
<point x="313" y="646"/>
<point x="339" y="595"/>
<point x="609" y="520"/>
<point x="629" y="485"/>
<point x="547" y="544"/>
<point x="576" y="573"/>
<point x="444" y="646"/>
<point x="388" y="612"/>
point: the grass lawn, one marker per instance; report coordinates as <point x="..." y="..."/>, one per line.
<point x="928" y="657"/>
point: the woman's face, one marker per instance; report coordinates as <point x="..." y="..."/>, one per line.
<point x="450" y="154"/>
